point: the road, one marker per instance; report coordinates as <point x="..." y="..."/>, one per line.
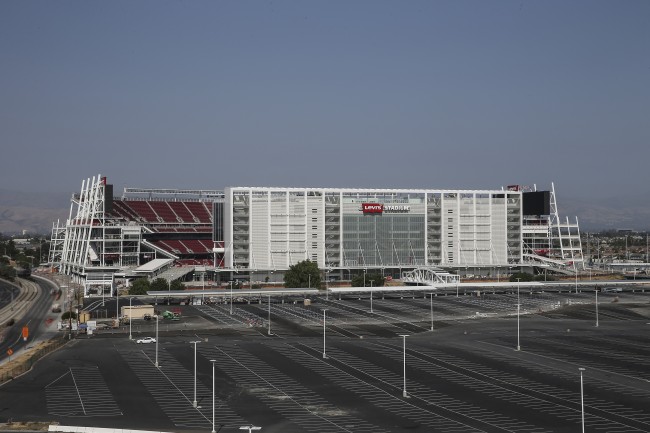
<point x="31" y="309"/>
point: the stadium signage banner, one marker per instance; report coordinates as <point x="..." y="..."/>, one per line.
<point x="372" y="207"/>
<point x="379" y="208"/>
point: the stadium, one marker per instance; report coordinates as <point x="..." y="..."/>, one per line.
<point x="251" y="234"/>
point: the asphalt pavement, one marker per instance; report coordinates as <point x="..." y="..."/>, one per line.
<point x="355" y="372"/>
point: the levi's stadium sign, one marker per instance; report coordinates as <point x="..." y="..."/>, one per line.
<point x="372" y="207"/>
<point x="381" y="208"/>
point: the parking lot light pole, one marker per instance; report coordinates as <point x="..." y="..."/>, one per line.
<point x="582" y="400"/>
<point x="194" y="343"/>
<point x="518" y="308"/>
<point x="230" y="282"/>
<point x="457" y="281"/>
<point x="269" y="331"/>
<point x="130" y="318"/>
<point x="371" y="281"/>
<point x="250" y="428"/>
<point x="596" y="307"/>
<point x="404" y="394"/>
<point x="324" y="352"/>
<point x="157" y="317"/>
<point x="213" y="394"/>
<point x="431" y="311"/>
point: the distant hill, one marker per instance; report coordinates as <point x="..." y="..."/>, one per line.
<point x="622" y="212"/>
<point x="30" y="211"/>
<point x="35" y="211"/>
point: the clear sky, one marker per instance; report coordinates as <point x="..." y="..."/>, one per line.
<point x="404" y="94"/>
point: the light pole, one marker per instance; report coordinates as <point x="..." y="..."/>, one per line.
<point x="117" y="293"/>
<point x="596" y="307"/>
<point x="130" y="317"/>
<point x="157" y="317"/>
<point x="371" y="281"/>
<point x="324" y="353"/>
<point x="404" y="394"/>
<point x="518" y="308"/>
<point x="203" y="289"/>
<point x="230" y="282"/>
<point x="213" y="393"/>
<point x="269" y="331"/>
<point x="431" y="311"/>
<point x="457" y="280"/>
<point x="194" y="343"/>
<point x="582" y="400"/>
<point x="327" y="289"/>
<point x="250" y="428"/>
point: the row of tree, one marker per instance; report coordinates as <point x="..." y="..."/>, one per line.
<point x="307" y="274"/>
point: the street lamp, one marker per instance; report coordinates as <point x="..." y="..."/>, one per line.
<point x="250" y="428"/>
<point x="364" y="277"/>
<point x="194" y="343"/>
<point x="404" y="394"/>
<point x="157" y="317"/>
<point x="596" y="307"/>
<point x="324" y="353"/>
<point x="431" y="311"/>
<point x="269" y="331"/>
<point x="371" y="281"/>
<point x="130" y="317"/>
<point x="213" y="393"/>
<point x="230" y="282"/>
<point x="582" y="400"/>
<point x="518" y="308"/>
<point x="457" y="280"/>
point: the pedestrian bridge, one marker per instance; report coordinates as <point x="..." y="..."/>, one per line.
<point x="429" y="277"/>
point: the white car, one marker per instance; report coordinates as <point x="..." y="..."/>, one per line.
<point x="146" y="340"/>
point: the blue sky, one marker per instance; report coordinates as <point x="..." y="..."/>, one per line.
<point x="405" y="94"/>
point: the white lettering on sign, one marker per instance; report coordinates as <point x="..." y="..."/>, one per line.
<point x="397" y="208"/>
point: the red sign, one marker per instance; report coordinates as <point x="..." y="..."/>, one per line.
<point x="372" y="207"/>
<point x="25" y="333"/>
<point x="513" y="188"/>
<point x="10" y="351"/>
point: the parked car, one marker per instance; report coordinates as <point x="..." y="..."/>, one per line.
<point x="612" y="290"/>
<point x="145" y="340"/>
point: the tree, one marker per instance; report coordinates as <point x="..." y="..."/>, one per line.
<point x="303" y="274"/>
<point x="176" y="285"/>
<point x="159" y="284"/>
<point x="377" y="280"/>
<point x="523" y="276"/>
<point x="140" y="287"/>
<point x="69" y="315"/>
<point x="7" y="272"/>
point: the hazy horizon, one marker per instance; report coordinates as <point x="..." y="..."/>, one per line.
<point x="367" y="94"/>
